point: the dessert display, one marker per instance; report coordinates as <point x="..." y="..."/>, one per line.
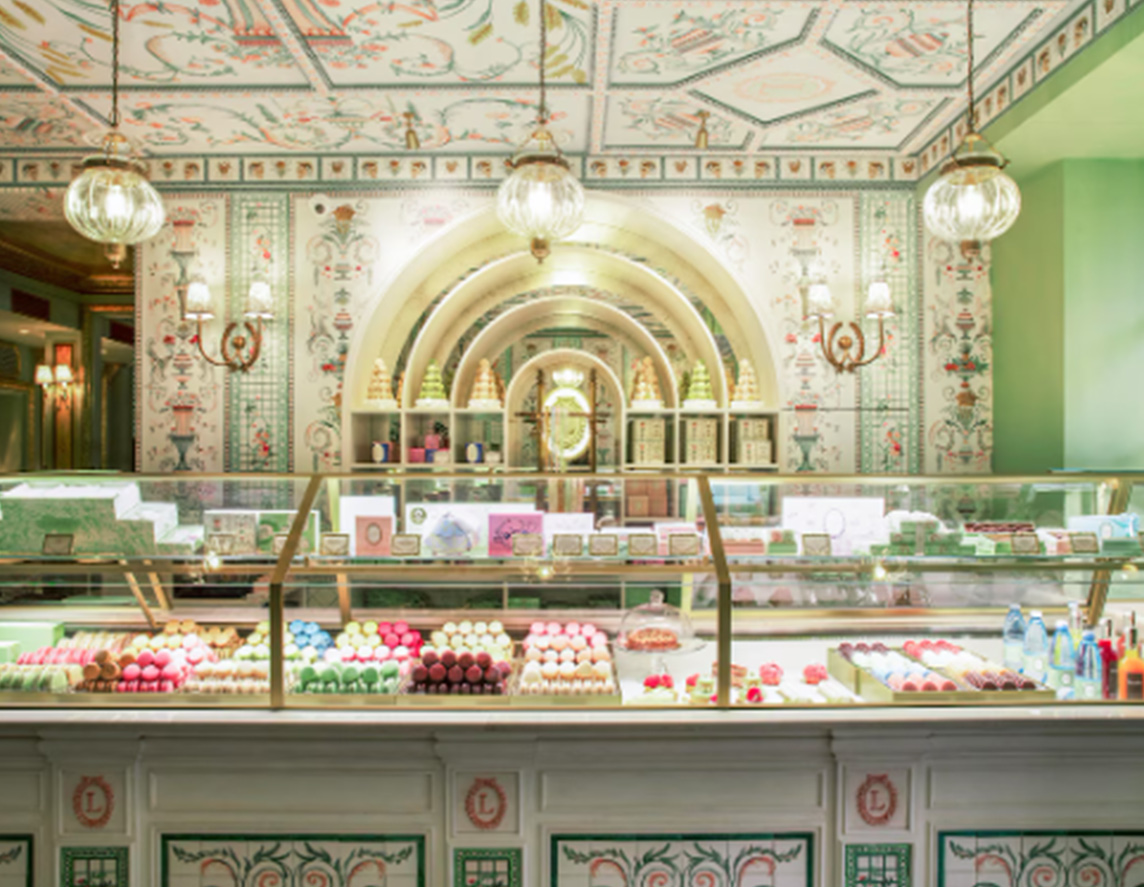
<point x="42" y="678"/>
<point x="379" y="393"/>
<point x="366" y="642"/>
<point x="968" y="667"/>
<point x="895" y="670"/>
<point x="486" y="389"/>
<point x="566" y="660"/>
<point x="645" y="390"/>
<point x="699" y="394"/>
<point x="474" y="637"/>
<point x="447" y="672"/>
<point x="745" y="395"/>
<point x="658" y="689"/>
<point x="654" y="627"/>
<point x="229" y="677"/>
<point x="433" y="392"/>
<point x="348" y="677"/>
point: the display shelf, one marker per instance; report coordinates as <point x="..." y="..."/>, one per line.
<point x="729" y="550"/>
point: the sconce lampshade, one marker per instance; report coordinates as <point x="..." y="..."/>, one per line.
<point x="878" y="301"/>
<point x="198" y="305"/>
<point x="63" y="374"/>
<point x="260" y="301"/>
<point x="44" y="374"/>
<point x="819" y="302"/>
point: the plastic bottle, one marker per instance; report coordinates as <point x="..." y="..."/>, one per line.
<point x="1132" y="668"/>
<point x="1076" y="622"/>
<point x="1013" y="635"/>
<point x="1035" y="651"/>
<point x="1089" y="668"/>
<point x="1062" y="661"/>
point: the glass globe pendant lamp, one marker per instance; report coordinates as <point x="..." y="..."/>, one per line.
<point x="973" y="201"/>
<point x="541" y="199"/>
<point x="111" y="201"/>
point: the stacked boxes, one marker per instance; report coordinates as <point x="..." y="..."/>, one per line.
<point x="753" y="445"/>
<point x="649" y="441"/>
<point x="700" y="441"/>
<point x="646" y="498"/>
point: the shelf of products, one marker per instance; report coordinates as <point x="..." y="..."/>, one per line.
<point x="529" y="590"/>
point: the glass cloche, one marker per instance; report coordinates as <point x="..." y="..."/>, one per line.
<point x="655" y="627"/>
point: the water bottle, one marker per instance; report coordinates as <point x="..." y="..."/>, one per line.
<point x="1013" y="634"/>
<point x="1035" y="650"/>
<point x="1062" y="661"/>
<point x="1089" y="667"/>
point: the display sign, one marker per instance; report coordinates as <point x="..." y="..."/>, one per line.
<point x="816" y="545"/>
<point x="683" y="545"/>
<point x="604" y="545"/>
<point x="643" y="545"/>
<point x="528" y="545"/>
<point x="335" y="545"/>
<point x="1084" y="543"/>
<point x="405" y="545"/>
<point x="567" y="545"/>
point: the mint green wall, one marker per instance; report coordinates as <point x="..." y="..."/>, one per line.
<point x="1104" y="313"/>
<point x="1068" y="310"/>
<point x="1028" y="332"/>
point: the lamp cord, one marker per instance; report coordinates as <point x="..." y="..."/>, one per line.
<point x="969" y="80"/>
<point x="114" y="64"/>
<point x="542" y="111"/>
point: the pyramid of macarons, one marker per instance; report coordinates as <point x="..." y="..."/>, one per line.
<point x="365" y="642"/>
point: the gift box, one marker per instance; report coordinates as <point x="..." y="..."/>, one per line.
<point x="474" y="453"/>
<point x="638" y="506"/>
<point x="430" y="453"/>
<point x="442" y="457"/>
<point x="416" y="455"/>
<point x="493" y="457"/>
<point x="432" y="441"/>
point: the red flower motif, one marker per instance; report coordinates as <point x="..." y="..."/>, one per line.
<point x="791" y="337"/>
<point x="168" y="340"/>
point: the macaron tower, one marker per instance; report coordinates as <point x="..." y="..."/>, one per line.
<point x="566" y="660"/>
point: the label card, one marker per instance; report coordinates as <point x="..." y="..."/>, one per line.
<point x="567" y="545"/>
<point x="643" y="545"/>
<point x="527" y="545"/>
<point x="683" y="545"/>
<point x="58" y="544"/>
<point x="1084" y="543"/>
<point x="404" y="545"/>
<point x="221" y="543"/>
<point x="604" y="545"/>
<point x="1026" y="543"/>
<point x="335" y="545"/>
<point x="816" y="544"/>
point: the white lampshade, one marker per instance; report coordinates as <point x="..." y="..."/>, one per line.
<point x="198" y="305"/>
<point x="973" y="201"/>
<point x="878" y="301"/>
<point x="540" y="199"/>
<point x="819" y="302"/>
<point x="63" y="374"/>
<point x="44" y="374"/>
<point x="260" y="300"/>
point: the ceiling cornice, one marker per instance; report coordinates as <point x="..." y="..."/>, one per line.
<point x="53" y="270"/>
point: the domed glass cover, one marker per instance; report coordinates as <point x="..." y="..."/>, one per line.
<point x="655" y="627"/>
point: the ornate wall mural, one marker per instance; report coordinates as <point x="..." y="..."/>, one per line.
<point x="923" y="406"/>
<point x="1012" y="858"/>
<point x="180" y="398"/>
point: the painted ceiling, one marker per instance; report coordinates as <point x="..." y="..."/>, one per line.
<point x="242" y="77"/>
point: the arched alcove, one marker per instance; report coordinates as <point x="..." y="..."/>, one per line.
<point x="523" y="385"/>
<point x="532" y="316"/>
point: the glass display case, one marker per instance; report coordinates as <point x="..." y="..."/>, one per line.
<point x="489" y="588"/>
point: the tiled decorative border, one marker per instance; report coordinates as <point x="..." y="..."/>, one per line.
<point x="70" y="856"/>
<point x="1065" y="857"/>
<point x="506" y="864"/>
<point x="248" y="858"/>
<point x="16" y="851"/>
<point x="901" y="854"/>
<point x="683" y="860"/>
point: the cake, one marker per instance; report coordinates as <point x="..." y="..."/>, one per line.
<point x="486" y="393"/>
<point x="433" y="392"/>
<point x="652" y="639"/>
<point x="699" y="395"/>
<point x="379" y="394"/>
<point x="745" y="395"/>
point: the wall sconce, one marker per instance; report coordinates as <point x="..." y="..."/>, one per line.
<point x="847" y="352"/>
<point x="412" y="142"/>
<point x="239" y="347"/>
<point x="702" y="137"/>
<point x="55" y="380"/>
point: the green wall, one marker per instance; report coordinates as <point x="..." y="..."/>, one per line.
<point x="1068" y="308"/>
<point x="1028" y="332"/>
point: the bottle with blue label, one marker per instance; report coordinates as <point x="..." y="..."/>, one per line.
<point x="1088" y="668"/>
<point x="1013" y="635"/>
<point x="1035" y="651"/>
<point x="1062" y="660"/>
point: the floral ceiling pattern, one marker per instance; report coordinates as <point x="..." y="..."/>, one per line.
<point x="287" y="76"/>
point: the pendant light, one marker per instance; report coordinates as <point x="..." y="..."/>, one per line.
<point x="111" y="201"/>
<point x="541" y="199"/>
<point x="972" y="201"/>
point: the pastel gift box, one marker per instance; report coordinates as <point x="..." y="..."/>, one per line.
<point x="416" y="455"/>
<point x="474" y="453"/>
<point x="442" y="457"/>
<point x="493" y="457"/>
<point x="432" y="441"/>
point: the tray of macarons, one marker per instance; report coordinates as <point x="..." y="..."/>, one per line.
<point x="988" y="680"/>
<point x="565" y="664"/>
<point x="878" y="673"/>
<point x="466" y="664"/>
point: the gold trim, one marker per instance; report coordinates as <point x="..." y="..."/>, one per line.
<point x="723" y="630"/>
